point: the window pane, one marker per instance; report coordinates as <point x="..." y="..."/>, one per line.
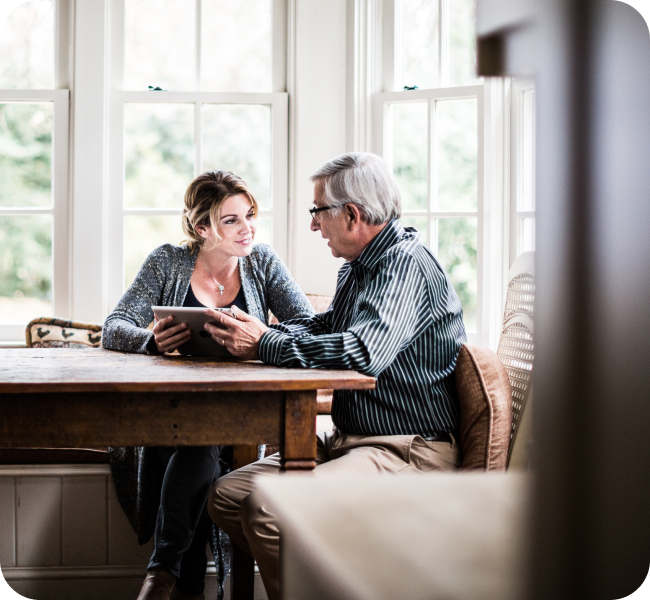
<point x="142" y="234"/>
<point x="159" y="42"/>
<point x="236" y="46"/>
<point x="26" y="154"/>
<point x="419" y="43"/>
<point x="264" y="231"/>
<point x="410" y="154"/>
<point x="526" y="196"/>
<point x="25" y="268"/>
<point x="420" y="223"/>
<point x="27" y="45"/>
<point x="456" y="241"/>
<point x="457" y="143"/>
<point x="526" y="237"/>
<point x="237" y="138"/>
<point x="158" y="154"/>
<point x="462" y="42"/>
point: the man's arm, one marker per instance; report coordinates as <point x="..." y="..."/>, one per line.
<point x="388" y="320"/>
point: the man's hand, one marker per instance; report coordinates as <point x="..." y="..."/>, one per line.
<point x="241" y="335"/>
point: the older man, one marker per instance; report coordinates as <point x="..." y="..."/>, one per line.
<point x="395" y="316"/>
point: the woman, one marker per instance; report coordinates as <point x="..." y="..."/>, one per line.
<point x="218" y="266"/>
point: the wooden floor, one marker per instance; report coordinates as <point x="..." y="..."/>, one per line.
<point x="106" y="589"/>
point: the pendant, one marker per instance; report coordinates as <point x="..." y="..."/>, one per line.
<point x="221" y="290"/>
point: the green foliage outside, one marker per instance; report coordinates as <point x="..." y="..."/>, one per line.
<point x="457" y="241"/>
<point x="26" y="181"/>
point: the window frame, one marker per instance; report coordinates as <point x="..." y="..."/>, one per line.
<point x="59" y="95"/>
<point x="277" y="100"/>
<point x="492" y="155"/>
<point x="278" y="104"/>
<point x="520" y="87"/>
<point x="381" y="103"/>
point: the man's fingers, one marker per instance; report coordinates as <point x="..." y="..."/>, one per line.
<point x="219" y="334"/>
<point x="240" y="315"/>
<point x="218" y="316"/>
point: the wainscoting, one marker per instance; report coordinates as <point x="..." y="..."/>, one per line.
<point x="63" y="536"/>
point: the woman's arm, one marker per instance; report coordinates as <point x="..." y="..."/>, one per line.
<point x="125" y="328"/>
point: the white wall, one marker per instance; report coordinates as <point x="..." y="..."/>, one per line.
<point x="317" y="107"/>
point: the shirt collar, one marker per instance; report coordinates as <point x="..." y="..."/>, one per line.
<point x="387" y="237"/>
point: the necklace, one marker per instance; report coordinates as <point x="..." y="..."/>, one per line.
<point x="213" y="279"/>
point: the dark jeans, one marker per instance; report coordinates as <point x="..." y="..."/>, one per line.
<point x="183" y="525"/>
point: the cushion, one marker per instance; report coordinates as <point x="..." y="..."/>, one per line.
<point x="51" y="332"/>
<point x="485" y="409"/>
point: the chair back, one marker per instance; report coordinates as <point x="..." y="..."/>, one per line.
<point x="516" y="351"/>
<point x="50" y="332"/>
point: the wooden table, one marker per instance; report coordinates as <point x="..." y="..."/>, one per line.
<point x="63" y="398"/>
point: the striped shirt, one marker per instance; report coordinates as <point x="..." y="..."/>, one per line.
<point x="394" y="316"/>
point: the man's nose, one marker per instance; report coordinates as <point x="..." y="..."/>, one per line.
<point x="315" y="226"/>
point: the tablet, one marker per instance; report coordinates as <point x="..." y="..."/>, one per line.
<point x="200" y="342"/>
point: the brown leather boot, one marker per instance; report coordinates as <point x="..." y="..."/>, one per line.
<point x="157" y="585"/>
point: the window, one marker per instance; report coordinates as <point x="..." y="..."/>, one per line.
<point x="205" y="102"/>
<point x="522" y="220"/>
<point x="429" y="126"/>
<point x="34" y="255"/>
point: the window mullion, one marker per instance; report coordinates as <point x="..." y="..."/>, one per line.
<point x="61" y="239"/>
<point x="432" y="178"/>
<point x="61" y="45"/>
<point x="279" y="46"/>
<point x="443" y="43"/>
<point x="392" y="45"/>
<point x="198" y="140"/>
<point x="197" y="38"/>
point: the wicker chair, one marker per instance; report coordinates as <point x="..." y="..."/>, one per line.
<point x="516" y="351"/>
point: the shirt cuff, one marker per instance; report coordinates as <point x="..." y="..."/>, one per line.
<point x="270" y="348"/>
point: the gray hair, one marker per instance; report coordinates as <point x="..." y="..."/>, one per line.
<point x="362" y="179"/>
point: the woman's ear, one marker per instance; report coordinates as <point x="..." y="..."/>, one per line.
<point x="202" y="230"/>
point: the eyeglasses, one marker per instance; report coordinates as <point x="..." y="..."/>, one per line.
<point x="314" y="211"/>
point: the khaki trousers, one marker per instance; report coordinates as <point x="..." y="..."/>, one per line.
<point x="235" y="507"/>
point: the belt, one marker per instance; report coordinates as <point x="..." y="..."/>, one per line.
<point x="439" y="437"/>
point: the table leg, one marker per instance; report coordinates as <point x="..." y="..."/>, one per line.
<point x="242" y="574"/>
<point x="299" y="448"/>
<point x="242" y="566"/>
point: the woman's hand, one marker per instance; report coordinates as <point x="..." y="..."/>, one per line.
<point x="241" y="334"/>
<point x="168" y="339"/>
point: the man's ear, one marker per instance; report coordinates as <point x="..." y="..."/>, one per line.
<point x="353" y="215"/>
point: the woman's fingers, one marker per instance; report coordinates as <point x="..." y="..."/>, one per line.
<point x="177" y="340"/>
<point x="169" y="338"/>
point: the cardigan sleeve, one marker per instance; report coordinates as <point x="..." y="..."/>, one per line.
<point x="125" y="329"/>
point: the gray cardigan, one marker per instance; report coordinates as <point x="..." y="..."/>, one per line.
<point x="164" y="278"/>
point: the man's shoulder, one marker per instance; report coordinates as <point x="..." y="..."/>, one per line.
<point x="409" y="248"/>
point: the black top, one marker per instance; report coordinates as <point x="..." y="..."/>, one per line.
<point x="192" y="301"/>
